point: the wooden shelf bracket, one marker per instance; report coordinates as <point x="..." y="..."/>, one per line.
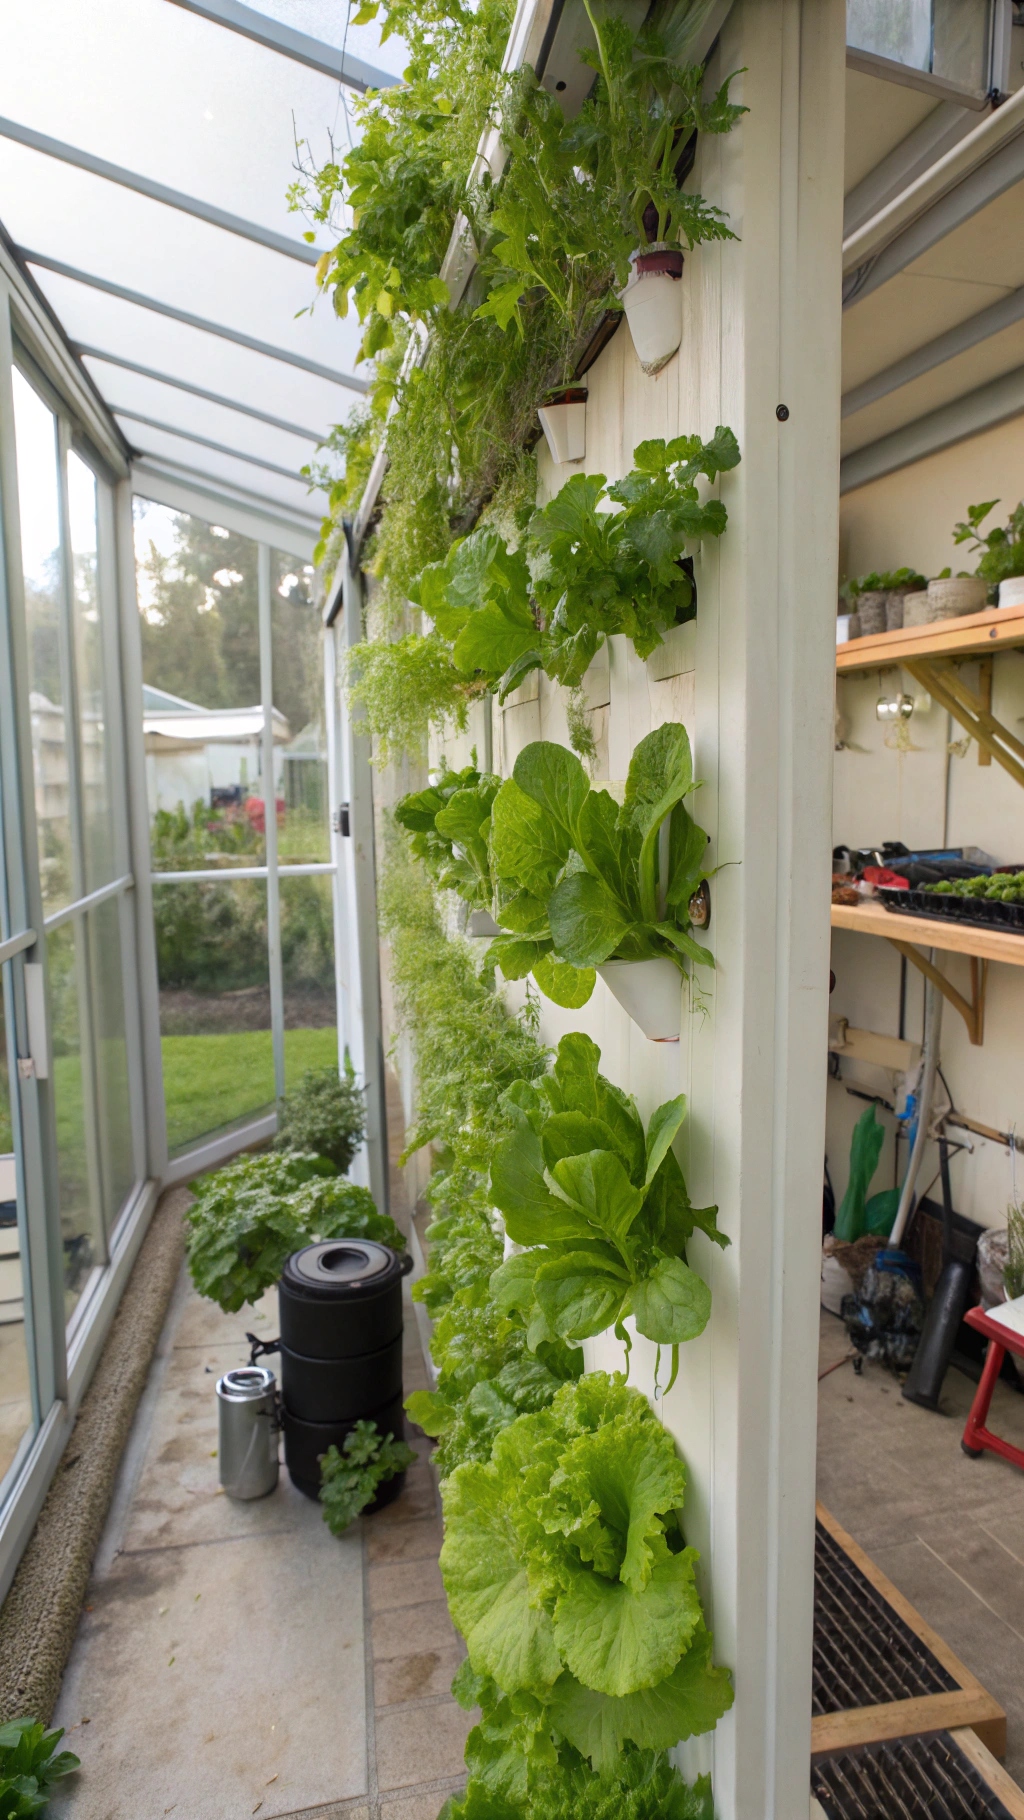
<point x="973" y="1013"/>
<point x="941" y="678"/>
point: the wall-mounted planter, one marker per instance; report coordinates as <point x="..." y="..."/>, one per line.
<point x="1011" y="591"/>
<point x="563" y="418"/>
<point x="481" y="922"/>
<point x="650" y="991"/>
<point x="653" y="302"/>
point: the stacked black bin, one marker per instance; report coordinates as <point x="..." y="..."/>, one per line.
<point x="340" y="1305"/>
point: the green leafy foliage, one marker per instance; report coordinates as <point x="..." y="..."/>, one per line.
<point x="602" y="1207"/>
<point x="906" y="581"/>
<point x="643" y="1786"/>
<point x="1003" y="546"/>
<point x="247" y="1218"/>
<point x="580" y="880"/>
<point x="582" y="573"/>
<point x="449" y="824"/>
<point x="325" y="1114"/>
<point x="567" y="1574"/>
<point x="30" y="1764"/>
<point x="351" y="1478"/>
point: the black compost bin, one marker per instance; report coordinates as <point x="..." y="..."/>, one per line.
<point x="340" y="1305"/>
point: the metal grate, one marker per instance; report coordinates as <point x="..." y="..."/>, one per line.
<point x="909" y="1779"/>
<point x="864" y="1653"/>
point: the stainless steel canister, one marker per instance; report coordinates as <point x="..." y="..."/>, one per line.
<point x="247" y="1409"/>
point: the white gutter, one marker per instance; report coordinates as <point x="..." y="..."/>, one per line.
<point x="944" y="175"/>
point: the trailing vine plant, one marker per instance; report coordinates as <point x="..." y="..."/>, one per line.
<point x="554" y="235"/>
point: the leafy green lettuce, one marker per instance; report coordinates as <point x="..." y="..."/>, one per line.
<point x="602" y="1207"/>
<point x="567" y="1574"/>
<point x="449" y="824"/>
<point x="580" y="880"/>
<point x="585" y="572"/>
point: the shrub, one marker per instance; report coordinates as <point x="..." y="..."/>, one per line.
<point x="326" y="1114"/>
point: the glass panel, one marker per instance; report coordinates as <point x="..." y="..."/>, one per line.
<point x="81" y="1230"/>
<point x="201" y="691"/>
<point x="99" y="857"/>
<point x="39" y="505"/>
<point x="15" y="1394"/>
<point x="947" y="38"/>
<point x="214" y="1006"/>
<point x="300" y="767"/>
<point x="113" y="1086"/>
<point x="307" y="964"/>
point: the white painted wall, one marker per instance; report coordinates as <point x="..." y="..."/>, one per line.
<point x="752" y="681"/>
<point x="933" y="796"/>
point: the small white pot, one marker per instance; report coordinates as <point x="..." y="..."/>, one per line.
<point x="1011" y="591"/>
<point x="653" y="302"/>
<point x="651" y="992"/>
<point x="847" y="627"/>
<point x="564" y="422"/>
<point x="835" y="1283"/>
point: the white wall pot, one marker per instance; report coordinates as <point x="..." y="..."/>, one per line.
<point x="847" y="627"/>
<point x="653" y="302"/>
<point x="651" y="993"/>
<point x="563" y="418"/>
<point x="1011" y="591"/>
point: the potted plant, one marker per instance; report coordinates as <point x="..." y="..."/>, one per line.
<point x="878" y="599"/>
<point x="563" y="419"/>
<point x="653" y="302"/>
<point x="583" y="885"/>
<point x="1002" y="564"/>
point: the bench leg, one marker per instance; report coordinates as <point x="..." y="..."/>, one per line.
<point x="975" y="1433"/>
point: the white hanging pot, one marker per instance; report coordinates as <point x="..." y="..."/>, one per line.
<point x="653" y="302"/>
<point x="1011" y="591"/>
<point x="563" y="418"/>
<point x="651" y="992"/>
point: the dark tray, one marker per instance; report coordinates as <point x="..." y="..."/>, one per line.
<point x="944" y="906"/>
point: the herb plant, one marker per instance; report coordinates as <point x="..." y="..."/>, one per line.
<point x="1013" y="1274"/>
<point x="567" y="1574"/>
<point x="1003" y="547"/>
<point x="580" y="881"/>
<point x="891" y="581"/>
<point x="602" y="1207"/>
<point x="29" y="1765"/>
<point x="351" y="1478"/>
<point x="247" y="1218"/>
<point x="449" y="823"/>
<point x="326" y="1114"/>
<point x="582" y="574"/>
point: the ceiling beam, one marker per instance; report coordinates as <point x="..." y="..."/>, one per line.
<point x="158" y="192"/>
<point x="196" y="391"/>
<point x="981" y="327"/>
<point x="193" y="322"/>
<point x="970" y="415"/>
<point x="935" y="135"/>
<point x="204" y="442"/>
<point x="143" y="458"/>
<point x="298" y="46"/>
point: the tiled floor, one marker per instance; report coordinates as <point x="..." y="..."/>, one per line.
<point x="236" y="1659"/>
<point x="948" y="1530"/>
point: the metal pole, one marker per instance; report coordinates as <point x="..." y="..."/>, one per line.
<point x="270" y="818"/>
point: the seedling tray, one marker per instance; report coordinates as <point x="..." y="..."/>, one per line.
<point x="943" y="906"/>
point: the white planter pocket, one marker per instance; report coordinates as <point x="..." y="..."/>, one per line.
<point x="653" y="302"/>
<point x="1011" y="591"/>
<point x="651" y="992"/>
<point x="563" y="418"/>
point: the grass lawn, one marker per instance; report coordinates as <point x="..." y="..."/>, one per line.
<point x="213" y="1081"/>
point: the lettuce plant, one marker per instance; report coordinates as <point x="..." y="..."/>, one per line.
<point x="567" y="1573"/>
<point x="602" y="1207"/>
<point x="29" y="1764"/>
<point x="247" y="1218"/>
<point x="580" y="881"/>
<point x="448" y="824"/>
<point x="584" y="573"/>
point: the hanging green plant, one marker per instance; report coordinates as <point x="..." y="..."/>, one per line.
<point x="449" y="824"/>
<point x="601" y="1206"/>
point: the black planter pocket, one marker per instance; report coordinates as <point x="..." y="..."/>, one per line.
<point x="305" y="1442"/>
<point x="340" y="1298"/>
<point x="340" y="1390"/>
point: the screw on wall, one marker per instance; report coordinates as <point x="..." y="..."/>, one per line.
<point x="782" y="412"/>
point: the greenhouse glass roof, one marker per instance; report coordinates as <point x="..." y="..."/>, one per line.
<point x="146" y="147"/>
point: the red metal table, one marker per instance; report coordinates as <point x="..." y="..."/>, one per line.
<point x="1001" y="1340"/>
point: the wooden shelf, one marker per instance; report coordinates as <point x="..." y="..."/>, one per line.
<point x="980" y="945"/>
<point x="976" y="634"/>
<point x="931" y="932"/>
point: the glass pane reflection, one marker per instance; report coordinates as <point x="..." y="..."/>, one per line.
<point x="93" y="754"/>
<point x="39" y="507"/>
<point x="15" y="1396"/>
<point x="113" y="1087"/>
<point x="77" y="1168"/>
